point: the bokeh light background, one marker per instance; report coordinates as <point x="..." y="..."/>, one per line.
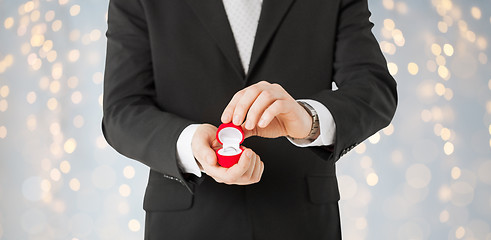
<point x="426" y="176"/>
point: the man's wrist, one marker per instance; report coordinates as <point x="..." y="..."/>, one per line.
<point x="314" y="128"/>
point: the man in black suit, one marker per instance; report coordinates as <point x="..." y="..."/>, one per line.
<point x="174" y="72"/>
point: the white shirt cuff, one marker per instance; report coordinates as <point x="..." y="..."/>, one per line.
<point x="185" y="158"/>
<point x="327" y="127"/>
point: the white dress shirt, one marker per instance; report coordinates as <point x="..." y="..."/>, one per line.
<point x="244" y="34"/>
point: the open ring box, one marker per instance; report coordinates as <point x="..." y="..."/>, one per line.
<point x="230" y="136"/>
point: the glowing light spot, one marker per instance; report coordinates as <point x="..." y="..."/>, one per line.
<point x="482" y="44"/>
<point x="455" y="173"/>
<point x="444" y="216"/>
<point x="348" y="187"/>
<point x="476" y="13"/>
<point x="431" y="65"/>
<point x="56" y="26"/>
<point x="440" y="60"/>
<point x="74" y="35"/>
<point x="31" y="122"/>
<point x="52" y="104"/>
<point x="47" y="45"/>
<point x="54" y="87"/>
<point x="388" y="4"/>
<point x="49" y="16"/>
<point x="439" y="89"/>
<point x="65" y="167"/>
<point x="361" y="223"/>
<point x="389" y="24"/>
<point x="448" y="49"/>
<point x="134" y="225"/>
<point x="70" y="145"/>
<point x="361" y="148"/>
<point x="445" y="134"/>
<point x="97" y="78"/>
<point x="45" y="185"/>
<point x="444" y="193"/>
<point x="426" y="115"/>
<point x="72" y="82"/>
<point x="436" y="49"/>
<point x="101" y="142"/>
<point x="448" y="148"/>
<point x="4" y="91"/>
<point x="401" y="7"/>
<point x="25" y="48"/>
<point x="73" y="55"/>
<point x="412" y="68"/>
<point x="442" y="27"/>
<point x="460" y="232"/>
<point x="4" y="105"/>
<point x="57" y="71"/>
<point x="62" y="2"/>
<point x="8" y="23"/>
<point x="100" y="100"/>
<point x="78" y="121"/>
<point x="35" y="16"/>
<point x="372" y="179"/>
<point x="397" y="157"/>
<point x="74" y="184"/>
<point x="471" y="36"/>
<point x="392" y="68"/>
<point x="389" y="130"/>
<point x="129" y="172"/>
<point x="443" y="72"/>
<point x="55" y="128"/>
<point x="29" y="6"/>
<point x="388" y="47"/>
<point x="55" y="174"/>
<point x="3" y="132"/>
<point x="37" y="40"/>
<point x="95" y="35"/>
<point x="398" y="37"/>
<point x="76" y="97"/>
<point x="51" y="56"/>
<point x="418" y="176"/>
<point x="124" y="190"/>
<point x="375" y="138"/>
<point x="75" y="10"/>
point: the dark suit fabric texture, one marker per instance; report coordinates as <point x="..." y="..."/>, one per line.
<point x="171" y="63"/>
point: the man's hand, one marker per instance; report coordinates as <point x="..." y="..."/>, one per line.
<point x="271" y="112"/>
<point x="248" y="170"/>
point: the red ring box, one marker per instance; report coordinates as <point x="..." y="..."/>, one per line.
<point x="230" y="136"/>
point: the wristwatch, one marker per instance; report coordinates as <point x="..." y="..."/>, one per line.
<point x="314" y="130"/>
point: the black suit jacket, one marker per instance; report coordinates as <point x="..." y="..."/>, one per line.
<point x="171" y="63"/>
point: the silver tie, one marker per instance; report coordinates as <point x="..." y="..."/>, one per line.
<point x="243" y="16"/>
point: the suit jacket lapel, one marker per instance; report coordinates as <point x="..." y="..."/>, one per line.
<point x="272" y="13"/>
<point x="213" y="16"/>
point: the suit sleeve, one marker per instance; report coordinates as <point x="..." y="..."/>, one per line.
<point x="366" y="98"/>
<point x="133" y="123"/>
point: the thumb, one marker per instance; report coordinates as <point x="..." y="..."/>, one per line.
<point x="204" y="153"/>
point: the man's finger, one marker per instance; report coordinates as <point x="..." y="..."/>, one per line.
<point x="228" y="112"/>
<point x="238" y="170"/>
<point x="271" y="112"/>
<point x="244" y="103"/>
<point x="260" y="104"/>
